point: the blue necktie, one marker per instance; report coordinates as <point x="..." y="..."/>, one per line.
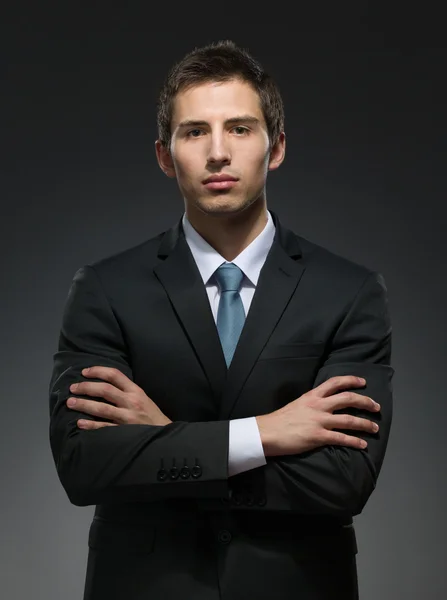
<point x="231" y="314"/>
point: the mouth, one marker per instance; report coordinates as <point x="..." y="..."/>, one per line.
<point x="223" y="182"/>
<point x="221" y="185"/>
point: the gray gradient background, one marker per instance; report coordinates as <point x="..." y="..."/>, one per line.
<point x="364" y="176"/>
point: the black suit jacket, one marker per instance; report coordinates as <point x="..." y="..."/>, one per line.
<point x="169" y="522"/>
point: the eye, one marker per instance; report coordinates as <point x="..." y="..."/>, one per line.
<point x="242" y="130"/>
<point x="192" y="131"/>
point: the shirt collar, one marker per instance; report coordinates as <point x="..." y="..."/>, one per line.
<point x="250" y="260"/>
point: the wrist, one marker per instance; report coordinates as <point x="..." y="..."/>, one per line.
<point x="266" y="433"/>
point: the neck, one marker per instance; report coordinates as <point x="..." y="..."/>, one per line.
<point x="230" y="234"/>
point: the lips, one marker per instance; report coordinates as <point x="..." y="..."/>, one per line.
<point x="220" y="184"/>
<point x="219" y="178"/>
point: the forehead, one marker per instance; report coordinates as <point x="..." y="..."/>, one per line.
<point x="216" y="100"/>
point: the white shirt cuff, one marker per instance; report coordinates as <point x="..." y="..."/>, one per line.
<point x="245" y="447"/>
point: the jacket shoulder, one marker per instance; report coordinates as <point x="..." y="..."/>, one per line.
<point x="332" y="266"/>
<point x="133" y="259"/>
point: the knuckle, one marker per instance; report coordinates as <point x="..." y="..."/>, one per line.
<point x="310" y="400"/>
<point x="138" y="404"/>
<point x="107" y="411"/>
<point x="349" y="421"/>
<point x="338" y="438"/>
<point x="346" y="439"/>
<point x="106" y="388"/>
<point x="322" y="436"/>
<point x="89" y="407"/>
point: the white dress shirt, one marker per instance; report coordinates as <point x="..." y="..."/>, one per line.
<point x="245" y="447"/>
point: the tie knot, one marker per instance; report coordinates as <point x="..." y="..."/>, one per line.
<point x="229" y="277"/>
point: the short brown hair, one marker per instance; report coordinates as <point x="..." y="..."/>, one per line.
<point x="220" y="61"/>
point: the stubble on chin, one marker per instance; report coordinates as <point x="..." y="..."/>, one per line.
<point x="223" y="203"/>
<point x="219" y="204"/>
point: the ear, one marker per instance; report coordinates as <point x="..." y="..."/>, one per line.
<point x="278" y="152"/>
<point x="165" y="159"/>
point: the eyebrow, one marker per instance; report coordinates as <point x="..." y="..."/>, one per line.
<point x="238" y="119"/>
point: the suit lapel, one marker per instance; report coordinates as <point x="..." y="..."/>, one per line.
<point x="179" y="275"/>
<point x="278" y="280"/>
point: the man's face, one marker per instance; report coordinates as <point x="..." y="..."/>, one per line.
<point x="205" y="143"/>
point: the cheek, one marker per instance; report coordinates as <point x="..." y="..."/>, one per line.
<point x="185" y="169"/>
<point x="255" y="154"/>
<point x="257" y="164"/>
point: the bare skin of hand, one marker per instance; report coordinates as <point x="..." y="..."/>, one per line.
<point x="307" y="422"/>
<point x="131" y="404"/>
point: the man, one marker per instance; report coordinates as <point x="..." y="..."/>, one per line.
<point x="227" y="430"/>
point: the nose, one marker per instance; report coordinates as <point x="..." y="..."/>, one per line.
<point x="218" y="151"/>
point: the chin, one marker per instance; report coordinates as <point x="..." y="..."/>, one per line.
<point x="221" y="203"/>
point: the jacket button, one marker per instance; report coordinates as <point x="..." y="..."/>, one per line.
<point x="196" y="471"/>
<point x="162" y="474"/>
<point x="224" y="536"/>
<point x="184" y="472"/>
<point x="174" y="472"/>
<point x="236" y="499"/>
<point x="225" y="501"/>
<point x="249" y="499"/>
<point x="261" y="500"/>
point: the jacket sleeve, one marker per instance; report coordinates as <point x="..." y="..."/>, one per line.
<point x="338" y="480"/>
<point x="129" y="463"/>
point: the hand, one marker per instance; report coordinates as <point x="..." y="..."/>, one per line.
<point x="307" y="422"/>
<point x="132" y="405"/>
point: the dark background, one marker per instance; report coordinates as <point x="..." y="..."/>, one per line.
<point x="364" y="176"/>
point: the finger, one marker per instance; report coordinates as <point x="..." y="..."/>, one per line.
<point x="82" y="424"/>
<point x="347" y="399"/>
<point x="336" y="438"/>
<point x="333" y="384"/>
<point x="112" y="375"/>
<point x="351" y="422"/>
<point x="99" y="389"/>
<point x="96" y="409"/>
